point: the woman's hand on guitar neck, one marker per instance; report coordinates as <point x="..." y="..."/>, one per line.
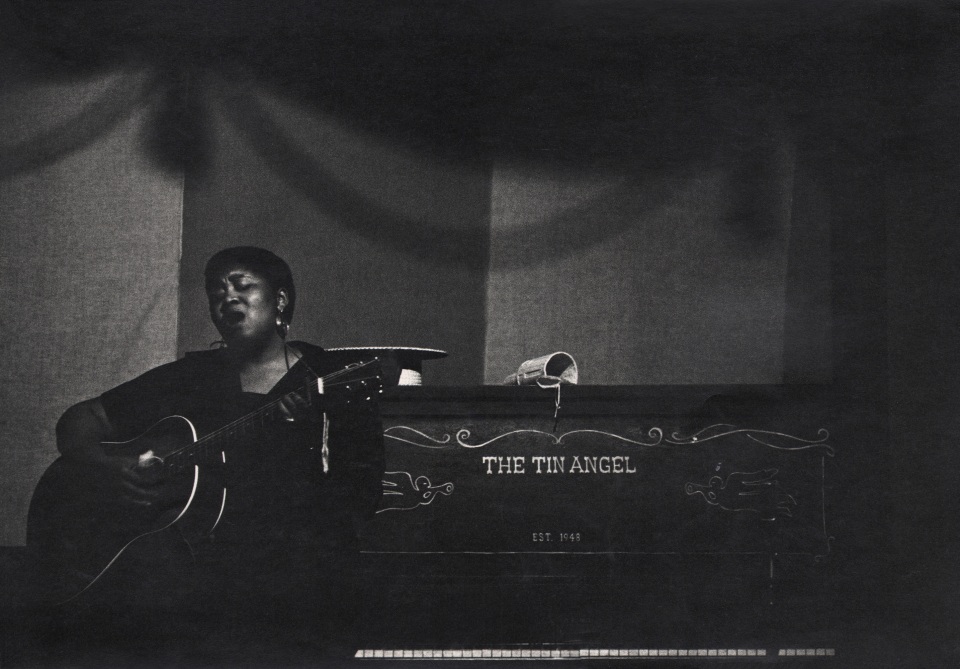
<point x="80" y="431"/>
<point x="295" y="408"/>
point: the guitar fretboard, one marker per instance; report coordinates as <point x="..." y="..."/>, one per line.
<point x="319" y="392"/>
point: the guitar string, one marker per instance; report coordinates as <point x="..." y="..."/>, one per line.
<point x="205" y="441"/>
<point x="264" y="409"/>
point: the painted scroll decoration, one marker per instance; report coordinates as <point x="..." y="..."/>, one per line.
<point x="654" y="438"/>
<point x="776" y="440"/>
<point x="756" y="492"/>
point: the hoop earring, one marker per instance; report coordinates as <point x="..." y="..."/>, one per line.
<point x="282" y="325"/>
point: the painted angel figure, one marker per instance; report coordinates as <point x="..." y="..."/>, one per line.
<point x="758" y="492"/>
<point x="401" y="492"/>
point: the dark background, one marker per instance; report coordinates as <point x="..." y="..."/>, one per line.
<point x="867" y="94"/>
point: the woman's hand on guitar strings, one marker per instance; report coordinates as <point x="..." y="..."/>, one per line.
<point x="137" y="480"/>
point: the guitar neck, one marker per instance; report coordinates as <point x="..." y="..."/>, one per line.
<point x="211" y="447"/>
<point x="321" y="393"/>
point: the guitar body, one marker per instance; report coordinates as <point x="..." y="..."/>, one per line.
<point x="90" y="538"/>
<point x="87" y="537"/>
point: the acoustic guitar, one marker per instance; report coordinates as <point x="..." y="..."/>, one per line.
<point x="80" y="532"/>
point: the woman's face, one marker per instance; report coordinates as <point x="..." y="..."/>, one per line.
<point x="243" y="306"/>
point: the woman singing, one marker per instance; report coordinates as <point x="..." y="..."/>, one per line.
<point x="262" y="568"/>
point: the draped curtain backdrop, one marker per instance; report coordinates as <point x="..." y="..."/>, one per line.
<point x="629" y="189"/>
<point x="388" y="246"/>
<point x="89" y="255"/>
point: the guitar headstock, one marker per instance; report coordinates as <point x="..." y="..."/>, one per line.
<point x="357" y="384"/>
